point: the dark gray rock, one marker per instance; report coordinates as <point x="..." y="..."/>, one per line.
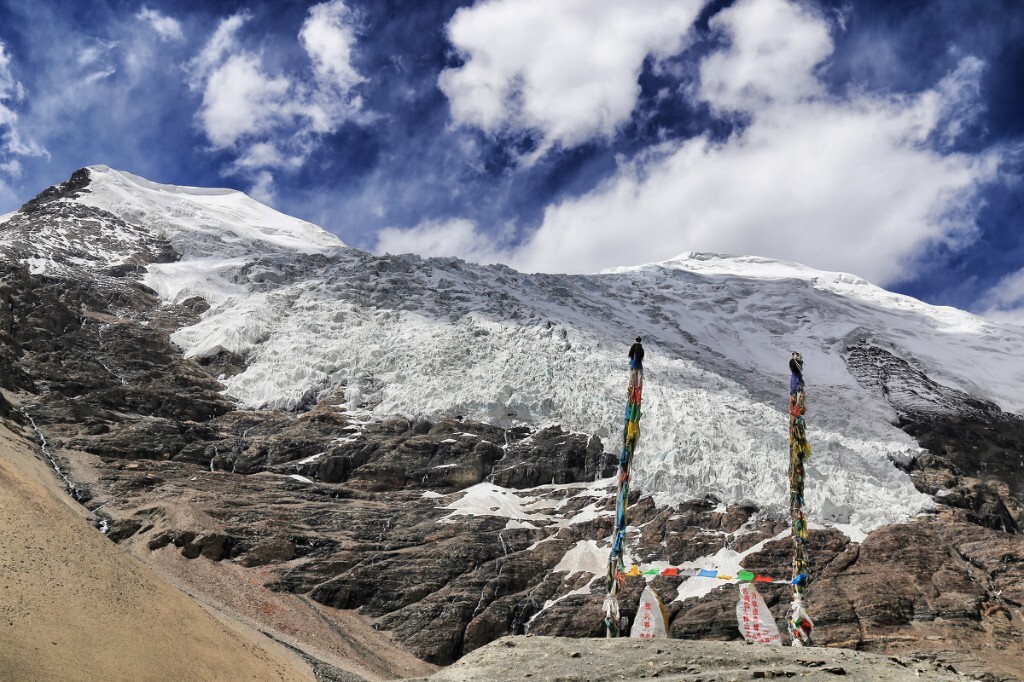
<point x="974" y="448"/>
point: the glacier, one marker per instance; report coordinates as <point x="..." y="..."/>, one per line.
<point x="440" y="337"/>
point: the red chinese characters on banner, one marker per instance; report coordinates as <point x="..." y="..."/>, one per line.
<point x="650" y="621"/>
<point x="755" y="621"/>
<point x="646" y="632"/>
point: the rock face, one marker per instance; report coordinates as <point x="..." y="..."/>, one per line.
<point x="974" y="460"/>
<point x="67" y="236"/>
<point x="452" y="533"/>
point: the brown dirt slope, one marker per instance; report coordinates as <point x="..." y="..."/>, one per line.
<point x="74" y="606"/>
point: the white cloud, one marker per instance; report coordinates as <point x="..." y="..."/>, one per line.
<point x="1005" y="300"/>
<point x="241" y="100"/>
<point x="10" y="89"/>
<point x="99" y="75"/>
<point x="11" y="168"/>
<point x="329" y="39"/>
<point x="166" y="27"/>
<point x="263" y="187"/>
<point x="457" y="237"/>
<point x="960" y="94"/>
<point x="568" y="70"/>
<point x="858" y="182"/>
<point x="221" y="44"/>
<point x="96" y="60"/>
<point x="775" y="47"/>
<point x="273" y="120"/>
<point x="97" y="52"/>
<point x="265" y="155"/>
<point x="12" y="143"/>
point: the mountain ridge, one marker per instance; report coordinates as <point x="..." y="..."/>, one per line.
<point x="457" y="415"/>
<point x="440" y="337"/>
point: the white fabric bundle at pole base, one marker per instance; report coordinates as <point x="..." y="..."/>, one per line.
<point x="611" y="614"/>
<point x="757" y="625"/>
<point x="799" y="623"/>
<point x="651" y="619"/>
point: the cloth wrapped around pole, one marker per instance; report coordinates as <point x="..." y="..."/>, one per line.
<point x="616" y="577"/>
<point x="799" y="623"/>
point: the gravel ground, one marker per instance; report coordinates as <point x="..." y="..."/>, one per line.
<point x="553" y="659"/>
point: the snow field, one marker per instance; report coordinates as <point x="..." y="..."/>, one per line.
<point x="703" y="432"/>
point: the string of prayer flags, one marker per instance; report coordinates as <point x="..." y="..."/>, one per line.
<point x="742" y="575"/>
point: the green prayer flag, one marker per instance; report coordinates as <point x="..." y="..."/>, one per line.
<point x="747" y="576"/>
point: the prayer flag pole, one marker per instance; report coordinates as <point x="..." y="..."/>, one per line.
<point x="630" y="435"/>
<point x="798" y="621"/>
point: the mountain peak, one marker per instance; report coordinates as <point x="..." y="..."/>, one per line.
<point x="203" y="221"/>
<point x="105" y="218"/>
<point x="758" y="267"/>
<point x="101" y="173"/>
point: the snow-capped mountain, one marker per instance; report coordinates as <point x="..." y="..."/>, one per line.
<point x="427" y="441"/>
<point x="404" y="335"/>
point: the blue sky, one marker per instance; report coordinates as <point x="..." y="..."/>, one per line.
<point x="878" y="138"/>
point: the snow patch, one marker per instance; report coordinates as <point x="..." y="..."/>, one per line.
<point x="853" y="533"/>
<point x="513" y="523"/>
<point x="208" y="278"/>
<point x="584" y="556"/>
<point x="487" y="499"/>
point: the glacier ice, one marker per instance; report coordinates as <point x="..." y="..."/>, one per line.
<point x="440" y="337"/>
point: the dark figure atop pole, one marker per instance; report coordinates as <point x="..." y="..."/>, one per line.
<point x="796" y="368"/>
<point x="636" y="363"/>
<point x="636" y="354"/>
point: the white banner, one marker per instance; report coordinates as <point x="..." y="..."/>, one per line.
<point x="650" y="621"/>
<point x="755" y="620"/>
